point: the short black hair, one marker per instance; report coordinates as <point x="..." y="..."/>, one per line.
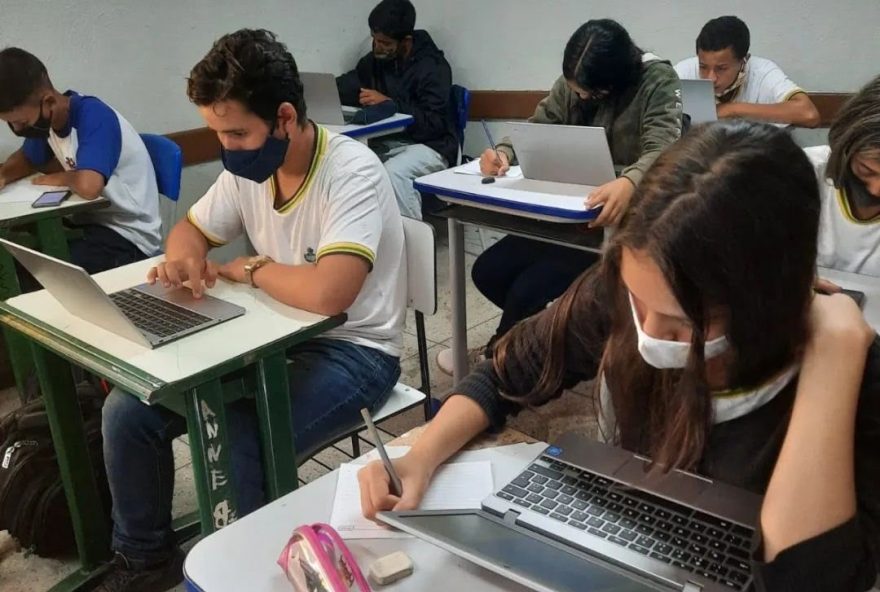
<point x="22" y="75"/>
<point x="601" y="56"/>
<point x="395" y="18"/>
<point x="250" y="66"/>
<point x="723" y="32"/>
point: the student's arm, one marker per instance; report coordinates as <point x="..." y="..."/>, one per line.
<point x="810" y="535"/>
<point x="430" y="105"/>
<point x="799" y="110"/>
<point x="661" y="121"/>
<point x="85" y="183"/>
<point x="349" y="84"/>
<point x="16" y="167"/>
<point x="571" y="345"/>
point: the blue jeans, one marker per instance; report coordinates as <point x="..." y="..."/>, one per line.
<point x="330" y="382"/>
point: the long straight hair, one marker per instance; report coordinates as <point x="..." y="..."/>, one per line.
<point x="856" y="130"/>
<point x="730" y="214"/>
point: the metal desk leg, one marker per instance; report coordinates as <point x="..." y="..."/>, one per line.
<point x="459" y="303"/>
<point x="77" y="475"/>
<point x="50" y="234"/>
<point x="208" y="443"/>
<point x="16" y="345"/>
<point x="276" y="429"/>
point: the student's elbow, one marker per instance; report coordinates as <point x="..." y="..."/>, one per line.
<point x="811" y="116"/>
<point x="89" y="184"/>
<point x="333" y="302"/>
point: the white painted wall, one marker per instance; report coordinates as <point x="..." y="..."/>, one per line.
<point x="135" y="54"/>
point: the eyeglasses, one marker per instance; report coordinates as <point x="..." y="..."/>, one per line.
<point x="316" y="559"/>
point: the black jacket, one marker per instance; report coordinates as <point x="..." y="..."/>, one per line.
<point x="419" y="86"/>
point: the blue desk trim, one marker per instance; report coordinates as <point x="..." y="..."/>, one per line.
<point x="584" y="216"/>
<point x="379" y="126"/>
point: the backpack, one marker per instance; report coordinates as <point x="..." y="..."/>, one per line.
<point x="33" y="506"/>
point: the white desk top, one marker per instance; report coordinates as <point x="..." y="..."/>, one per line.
<point x="542" y="200"/>
<point x="16" y="199"/>
<point x="242" y="556"/>
<point x="265" y="322"/>
<point x="389" y="125"/>
<point x="870" y="285"/>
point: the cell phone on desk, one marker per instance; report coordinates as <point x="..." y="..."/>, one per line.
<point x="51" y="198"/>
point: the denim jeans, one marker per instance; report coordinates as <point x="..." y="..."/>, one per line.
<point x="404" y="163"/>
<point x="521" y="276"/>
<point x="330" y="382"/>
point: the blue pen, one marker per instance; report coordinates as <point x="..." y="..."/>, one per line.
<point x="492" y="144"/>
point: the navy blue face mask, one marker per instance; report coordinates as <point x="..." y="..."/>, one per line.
<point x="259" y="164"/>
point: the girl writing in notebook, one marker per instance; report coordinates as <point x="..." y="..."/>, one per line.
<point x="711" y="353"/>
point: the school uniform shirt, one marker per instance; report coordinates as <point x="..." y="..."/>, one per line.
<point x="845" y="242"/>
<point x="345" y="205"/>
<point x="765" y="83"/>
<point x="99" y="139"/>
<point x="742" y="447"/>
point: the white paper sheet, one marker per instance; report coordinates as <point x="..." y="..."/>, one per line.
<point x="473" y="168"/>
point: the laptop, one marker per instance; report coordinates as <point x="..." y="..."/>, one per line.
<point x="563" y="153"/>
<point x="150" y="315"/>
<point x="322" y="99"/>
<point x="698" y="101"/>
<point x="586" y="516"/>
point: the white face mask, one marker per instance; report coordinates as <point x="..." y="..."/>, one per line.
<point x="663" y="354"/>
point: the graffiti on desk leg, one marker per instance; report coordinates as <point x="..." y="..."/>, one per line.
<point x="224" y="513"/>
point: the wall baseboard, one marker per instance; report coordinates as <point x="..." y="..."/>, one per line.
<point x="200" y="145"/>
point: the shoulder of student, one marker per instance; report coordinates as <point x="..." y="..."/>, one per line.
<point x="688" y="68"/>
<point x="760" y="67"/>
<point x="657" y="75"/>
<point x="348" y="160"/>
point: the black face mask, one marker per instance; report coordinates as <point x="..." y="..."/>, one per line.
<point x="38" y="129"/>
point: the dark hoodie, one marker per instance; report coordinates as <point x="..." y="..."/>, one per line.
<point x="419" y="86"/>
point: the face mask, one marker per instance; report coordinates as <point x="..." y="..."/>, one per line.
<point x="664" y="355"/>
<point x="256" y="165"/>
<point x="38" y="129"/>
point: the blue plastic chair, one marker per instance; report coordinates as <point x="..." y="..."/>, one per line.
<point x="168" y="163"/>
<point x="460" y="97"/>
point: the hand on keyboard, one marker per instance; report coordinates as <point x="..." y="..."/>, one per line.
<point x="200" y="273"/>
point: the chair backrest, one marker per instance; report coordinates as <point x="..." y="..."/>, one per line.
<point x="460" y="97"/>
<point x="168" y="163"/>
<point x="421" y="265"/>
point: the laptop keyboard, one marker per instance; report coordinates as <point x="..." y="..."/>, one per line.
<point x="154" y="315"/>
<point x="700" y="543"/>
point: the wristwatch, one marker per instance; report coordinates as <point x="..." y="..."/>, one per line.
<point x="253" y="264"/>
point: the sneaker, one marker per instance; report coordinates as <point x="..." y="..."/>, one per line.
<point x="474" y="357"/>
<point x="157" y="578"/>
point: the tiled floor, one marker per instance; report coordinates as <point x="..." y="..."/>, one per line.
<point x="19" y="573"/>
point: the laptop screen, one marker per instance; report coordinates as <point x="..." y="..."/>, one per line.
<point x="520" y="553"/>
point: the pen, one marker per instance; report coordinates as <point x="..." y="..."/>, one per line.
<point x="396" y="485"/>
<point x="494" y="148"/>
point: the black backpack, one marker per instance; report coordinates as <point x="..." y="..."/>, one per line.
<point x="33" y="506"/>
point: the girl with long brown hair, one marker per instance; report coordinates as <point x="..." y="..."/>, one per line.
<point x="711" y="353"/>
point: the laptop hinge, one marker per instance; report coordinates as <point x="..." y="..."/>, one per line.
<point x="510" y="517"/>
<point x="692" y="587"/>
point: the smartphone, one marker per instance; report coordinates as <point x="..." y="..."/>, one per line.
<point x="51" y="198"/>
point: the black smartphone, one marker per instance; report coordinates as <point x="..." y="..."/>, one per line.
<point x="51" y="198"/>
<point x="859" y="297"/>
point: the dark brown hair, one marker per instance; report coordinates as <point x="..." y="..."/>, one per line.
<point x="855" y="129"/>
<point x="22" y="76"/>
<point x="252" y="67"/>
<point x="730" y="214"/>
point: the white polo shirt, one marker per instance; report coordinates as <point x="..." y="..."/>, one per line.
<point x="765" y="83"/>
<point x="346" y="205"/>
<point x="845" y="242"/>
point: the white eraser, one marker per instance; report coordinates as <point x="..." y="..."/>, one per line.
<point x="391" y="568"/>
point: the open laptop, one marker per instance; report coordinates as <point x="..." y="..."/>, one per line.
<point x="563" y="153"/>
<point x="149" y="315"/>
<point x="586" y="516"/>
<point x="698" y="101"/>
<point x="322" y="99"/>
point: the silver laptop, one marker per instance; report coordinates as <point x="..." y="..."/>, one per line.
<point x="698" y="101"/>
<point x="322" y="99"/>
<point x="586" y="516"/>
<point x="150" y="315"/>
<point x="563" y="153"/>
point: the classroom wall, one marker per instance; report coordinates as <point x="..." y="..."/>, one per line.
<point x="136" y="54"/>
